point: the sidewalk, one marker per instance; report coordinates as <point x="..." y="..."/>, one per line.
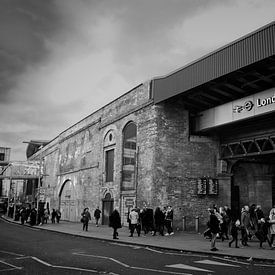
<point x="180" y="241"/>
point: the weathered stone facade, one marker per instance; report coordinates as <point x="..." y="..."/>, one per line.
<point x="168" y="160"/>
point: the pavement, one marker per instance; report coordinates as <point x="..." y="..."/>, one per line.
<point x="185" y="242"/>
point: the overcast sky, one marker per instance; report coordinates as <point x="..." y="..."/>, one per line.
<point x="60" y="60"/>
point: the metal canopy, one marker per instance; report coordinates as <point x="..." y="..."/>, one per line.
<point x="242" y="68"/>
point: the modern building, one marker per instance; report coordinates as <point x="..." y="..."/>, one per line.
<point x="202" y="135"/>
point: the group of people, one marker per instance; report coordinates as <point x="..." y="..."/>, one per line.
<point x="251" y="222"/>
<point x="37" y="217"/>
<point x="147" y="220"/>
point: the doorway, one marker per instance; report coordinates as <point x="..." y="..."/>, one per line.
<point x="67" y="202"/>
<point x="107" y="208"/>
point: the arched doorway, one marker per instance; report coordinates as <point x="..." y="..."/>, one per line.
<point x="67" y="202"/>
<point x="107" y="208"/>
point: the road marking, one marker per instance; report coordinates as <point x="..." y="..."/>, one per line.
<point x="160" y="271"/>
<point x="233" y="261"/>
<point x="176" y="254"/>
<point x="11" y="265"/>
<point x="128" y="266"/>
<point x="40" y="261"/>
<point x="63" y="267"/>
<point x="11" y="253"/>
<point x="128" y="245"/>
<point x="265" y="265"/>
<point x="215" y="263"/>
<point x="102" y="257"/>
<point x="8" y="269"/>
<point x="189" y="267"/>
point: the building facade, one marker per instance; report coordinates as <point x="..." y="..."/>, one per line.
<point x="199" y="136"/>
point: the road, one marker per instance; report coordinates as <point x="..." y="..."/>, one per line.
<point x="26" y="250"/>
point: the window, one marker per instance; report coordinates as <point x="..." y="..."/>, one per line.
<point x="109" y="165"/>
<point x="129" y="156"/>
<point x="2" y="156"/>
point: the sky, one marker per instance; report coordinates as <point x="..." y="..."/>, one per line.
<point x="61" y="60"/>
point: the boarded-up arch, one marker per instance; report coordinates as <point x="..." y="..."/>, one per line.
<point x="67" y="201"/>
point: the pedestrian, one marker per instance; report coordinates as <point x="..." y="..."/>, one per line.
<point x="234" y="233"/>
<point x="46" y="216"/>
<point x="245" y="225"/>
<point x="115" y="222"/>
<point x="135" y="224"/>
<point x="272" y="226"/>
<point x="262" y="232"/>
<point x="33" y="215"/>
<point x="259" y="215"/>
<point x="224" y="225"/>
<point x="253" y="221"/>
<point x="168" y="221"/>
<point x="86" y="217"/>
<point x="53" y="215"/>
<point x="214" y="226"/>
<point x="97" y="215"/>
<point x="159" y="218"/>
<point x="58" y="215"/>
<point x="23" y="215"/>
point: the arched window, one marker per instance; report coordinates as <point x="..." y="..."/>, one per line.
<point x="129" y="156"/>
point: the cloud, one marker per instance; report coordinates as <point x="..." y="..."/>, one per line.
<point x="61" y="60"/>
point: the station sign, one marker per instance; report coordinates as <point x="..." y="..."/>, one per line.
<point x="247" y="107"/>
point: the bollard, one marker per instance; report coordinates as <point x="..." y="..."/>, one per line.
<point x="197" y="224"/>
<point x="184" y="223"/>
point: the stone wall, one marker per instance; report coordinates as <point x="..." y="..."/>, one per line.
<point x="77" y="155"/>
<point x="179" y="160"/>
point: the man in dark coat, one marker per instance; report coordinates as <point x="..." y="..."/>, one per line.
<point x="97" y="215"/>
<point x="86" y="217"/>
<point x="115" y="222"/>
<point x="214" y="226"/>
<point x="159" y="221"/>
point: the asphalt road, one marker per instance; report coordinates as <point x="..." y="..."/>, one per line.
<point x="26" y="250"/>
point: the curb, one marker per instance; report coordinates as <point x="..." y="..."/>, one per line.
<point x="183" y="251"/>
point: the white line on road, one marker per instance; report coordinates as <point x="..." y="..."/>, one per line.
<point x="102" y="257"/>
<point x="233" y="261"/>
<point x="11" y="265"/>
<point x="63" y="267"/>
<point x="10" y="253"/>
<point x="215" y="263"/>
<point x="189" y="267"/>
<point x="176" y="254"/>
<point x="132" y="267"/>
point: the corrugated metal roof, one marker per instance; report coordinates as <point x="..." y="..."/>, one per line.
<point x="245" y="51"/>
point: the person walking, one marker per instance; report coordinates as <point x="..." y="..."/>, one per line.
<point x="97" y="215"/>
<point x="135" y="224"/>
<point x="58" y="215"/>
<point x="262" y="232"/>
<point x="53" y="215"/>
<point x="115" y="222"/>
<point x="272" y="226"/>
<point x="159" y="218"/>
<point x="86" y="217"/>
<point x="23" y="215"/>
<point x="245" y="224"/>
<point x="214" y="226"/>
<point x="169" y="221"/>
<point x="234" y="233"/>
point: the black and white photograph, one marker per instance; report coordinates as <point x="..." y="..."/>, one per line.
<point x="137" y="137"/>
